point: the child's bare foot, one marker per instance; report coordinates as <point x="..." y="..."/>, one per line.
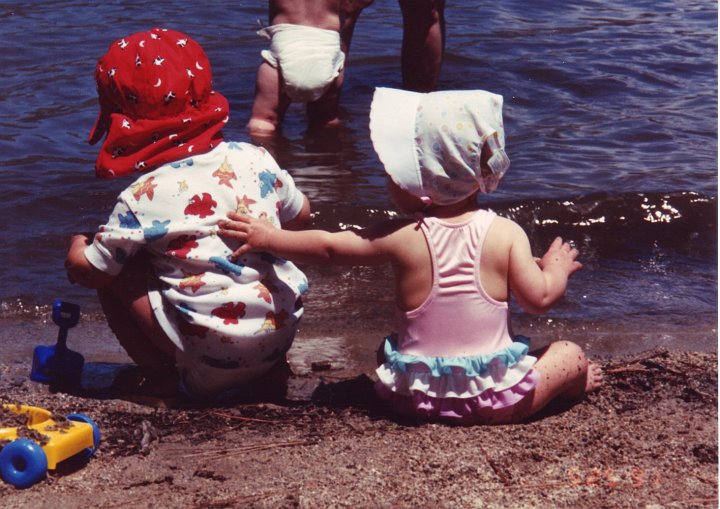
<point x="261" y="128"/>
<point x="594" y="377"/>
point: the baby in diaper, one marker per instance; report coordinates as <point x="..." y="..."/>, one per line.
<point x="304" y="63"/>
<point x="308" y="59"/>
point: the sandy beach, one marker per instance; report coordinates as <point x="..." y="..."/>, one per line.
<point x="648" y="439"/>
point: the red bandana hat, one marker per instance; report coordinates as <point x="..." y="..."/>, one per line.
<point x="157" y="104"/>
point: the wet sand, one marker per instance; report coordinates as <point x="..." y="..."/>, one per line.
<point x="648" y="438"/>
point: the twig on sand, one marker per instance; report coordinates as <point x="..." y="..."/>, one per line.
<point x="240" y="501"/>
<point x="221" y="453"/>
<point x="688" y="502"/>
<point x="648" y="364"/>
<point x="627" y="369"/>
<point x="234" y="417"/>
<point x="241" y="418"/>
<point x="660" y="352"/>
<point x="496" y="468"/>
<point x="533" y="486"/>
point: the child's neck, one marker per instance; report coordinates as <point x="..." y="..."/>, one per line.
<point x="456" y="211"/>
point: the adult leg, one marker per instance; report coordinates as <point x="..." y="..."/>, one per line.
<point x="270" y="103"/>
<point x="423" y="43"/>
<point x="349" y="13"/>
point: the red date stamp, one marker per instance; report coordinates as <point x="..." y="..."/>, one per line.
<point x="609" y="477"/>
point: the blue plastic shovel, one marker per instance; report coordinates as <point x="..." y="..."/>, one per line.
<point x="57" y="364"/>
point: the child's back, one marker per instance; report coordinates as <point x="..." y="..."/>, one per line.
<point x="320" y="14"/>
<point x="458" y="309"/>
<point x="241" y="316"/>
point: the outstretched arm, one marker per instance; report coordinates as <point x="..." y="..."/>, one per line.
<point x="538" y="284"/>
<point x="364" y="247"/>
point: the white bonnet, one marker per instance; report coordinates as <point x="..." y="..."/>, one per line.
<point x="431" y="144"/>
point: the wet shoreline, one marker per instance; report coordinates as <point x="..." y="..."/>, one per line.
<point x="346" y="350"/>
<point x="647" y="438"/>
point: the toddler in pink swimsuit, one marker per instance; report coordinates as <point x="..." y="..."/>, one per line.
<point x="454" y="357"/>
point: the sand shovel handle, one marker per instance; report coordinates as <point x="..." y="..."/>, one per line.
<point x="65" y="315"/>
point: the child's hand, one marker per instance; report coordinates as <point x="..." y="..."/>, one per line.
<point x="255" y="234"/>
<point x="74" y="259"/>
<point x="81" y="240"/>
<point x="560" y="256"/>
<point x="79" y="270"/>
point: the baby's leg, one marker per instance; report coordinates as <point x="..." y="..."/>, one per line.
<point x="270" y="104"/>
<point x="127" y="308"/>
<point x="323" y="113"/>
<point x="564" y="372"/>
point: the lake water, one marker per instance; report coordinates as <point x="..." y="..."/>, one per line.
<point x="611" y="125"/>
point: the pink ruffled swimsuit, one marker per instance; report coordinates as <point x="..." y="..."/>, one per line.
<point x="454" y="358"/>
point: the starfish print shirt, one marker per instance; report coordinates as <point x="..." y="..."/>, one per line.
<point x="241" y="314"/>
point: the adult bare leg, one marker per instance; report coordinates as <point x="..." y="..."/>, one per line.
<point x="423" y="44"/>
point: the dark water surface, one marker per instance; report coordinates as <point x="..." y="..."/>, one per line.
<point x="611" y="124"/>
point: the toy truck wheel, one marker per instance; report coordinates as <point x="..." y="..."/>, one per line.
<point x="96" y="432"/>
<point x="23" y="463"/>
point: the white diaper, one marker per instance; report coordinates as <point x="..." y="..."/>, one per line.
<point x="309" y="58"/>
<point x="205" y="376"/>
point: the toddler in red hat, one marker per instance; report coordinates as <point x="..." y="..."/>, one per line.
<point x="185" y="313"/>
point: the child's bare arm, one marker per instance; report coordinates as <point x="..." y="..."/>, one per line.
<point x="538" y="284"/>
<point x="367" y="247"/>
<point x="302" y="220"/>
<point x="79" y="269"/>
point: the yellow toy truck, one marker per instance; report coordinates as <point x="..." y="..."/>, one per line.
<point x="43" y="441"/>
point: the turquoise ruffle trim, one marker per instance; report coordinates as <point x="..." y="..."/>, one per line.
<point x="475" y="365"/>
